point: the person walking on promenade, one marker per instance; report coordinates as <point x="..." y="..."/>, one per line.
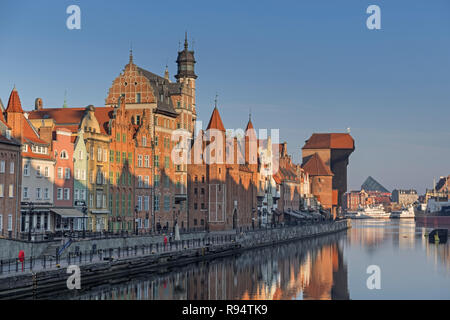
<point x="165" y="242"/>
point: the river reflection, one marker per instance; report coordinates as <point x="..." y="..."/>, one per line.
<point x="329" y="267"/>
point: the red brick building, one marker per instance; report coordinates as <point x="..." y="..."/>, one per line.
<point x="222" y="191"/>
<point x="325" y="158"/>
<point x="10" y="182"/>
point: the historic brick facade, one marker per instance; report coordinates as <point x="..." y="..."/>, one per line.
<point x="10" y="182"/>
<point x="325" y="158"/>
<point x="222" y="193"/>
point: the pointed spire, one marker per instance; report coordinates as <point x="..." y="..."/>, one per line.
<point x="14" y="104"/>
<point x="131" y="53"/>
<point x="65" y="99"/>
<point x="215" y="101"/>
<point x="166" y="73"/>
<point x="215" y="122"/>
<point x="185" y="41"/>
<point x="250" y="127"/>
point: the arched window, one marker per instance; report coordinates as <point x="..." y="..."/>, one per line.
<point x="64" y="155"/>
<point x="144" y="141"/>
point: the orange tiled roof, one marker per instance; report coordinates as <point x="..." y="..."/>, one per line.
<point x="314" y="166"/>
<point x="36" y="155"/>
<point x="31" y="134"/>
<point x="70" y="118"/>
<point x="215" y="122"/>
<point x="59" y="115"/>
<point x="103" y="115"/>
<point x="14" y="104"/>
<point x="330" y="141"/>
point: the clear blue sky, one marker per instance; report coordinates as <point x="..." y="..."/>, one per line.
<point x="301" y="66"/>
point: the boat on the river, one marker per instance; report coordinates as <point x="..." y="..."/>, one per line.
<point x="437" y="212"/>
<point x="368" y="212"/>
<point x="404" y="213"/>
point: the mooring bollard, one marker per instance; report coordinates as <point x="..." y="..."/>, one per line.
<point x="44" y="263"/>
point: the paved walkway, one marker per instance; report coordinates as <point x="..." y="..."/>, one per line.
<point x="49" y="263"/>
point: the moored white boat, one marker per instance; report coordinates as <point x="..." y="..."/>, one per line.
<point x="403" y="214"/>
<point x="376" y="212"/>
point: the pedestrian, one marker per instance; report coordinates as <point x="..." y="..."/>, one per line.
<point x="165" y="242"/>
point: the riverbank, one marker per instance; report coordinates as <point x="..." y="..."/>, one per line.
<point x="152" y="258"/>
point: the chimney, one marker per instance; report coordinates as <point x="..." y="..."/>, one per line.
<point x="284" y="149"/>
<point x="46" y="134"/>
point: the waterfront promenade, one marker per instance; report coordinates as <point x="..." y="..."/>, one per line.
<point x="50" y="274"/>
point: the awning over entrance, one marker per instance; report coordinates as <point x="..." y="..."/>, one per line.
<point x="312" y="214"/>
<point x="295" y="215"/>
<point x="68" y="213"/>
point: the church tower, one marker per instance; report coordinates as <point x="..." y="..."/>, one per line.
<point x="186" y="77"/>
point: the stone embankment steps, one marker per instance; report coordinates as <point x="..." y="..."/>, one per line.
<point x="51" y="249"/>
<point x="44" y="282"/>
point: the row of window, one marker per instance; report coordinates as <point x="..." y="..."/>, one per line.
<point x="9" y="223"/>
<point x="202" y="206"/>
<point x="35" y="149"/>
<point x="102" y="154"/>
<point x="63" y="194"/>
<point x="146" y="161"/>
<point x="120" y="157"/>
<point x="166" y="203"/>
<point x="11" y="191"/>
<point x="146" y="204"/>
<point x="146" y="183"/>
<point x="64" y="173"/>
<point x="3" y="166"/>
<point x="26" y="171"/>
<point x="39" y="193"/>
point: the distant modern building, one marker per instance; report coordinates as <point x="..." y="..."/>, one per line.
<point x="404" y="197"/>
<point x="376" y="193"/>
<point x="325" y="159"/>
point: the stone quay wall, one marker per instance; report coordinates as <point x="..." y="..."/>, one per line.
<point x="40" y="283"/>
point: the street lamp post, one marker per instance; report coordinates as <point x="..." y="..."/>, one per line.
<point x="84" y="220"/>
<point x="30" y="220"/>
<point x="135" y="220"/>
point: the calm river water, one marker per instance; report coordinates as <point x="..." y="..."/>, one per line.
<point x="329" y="267"/>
